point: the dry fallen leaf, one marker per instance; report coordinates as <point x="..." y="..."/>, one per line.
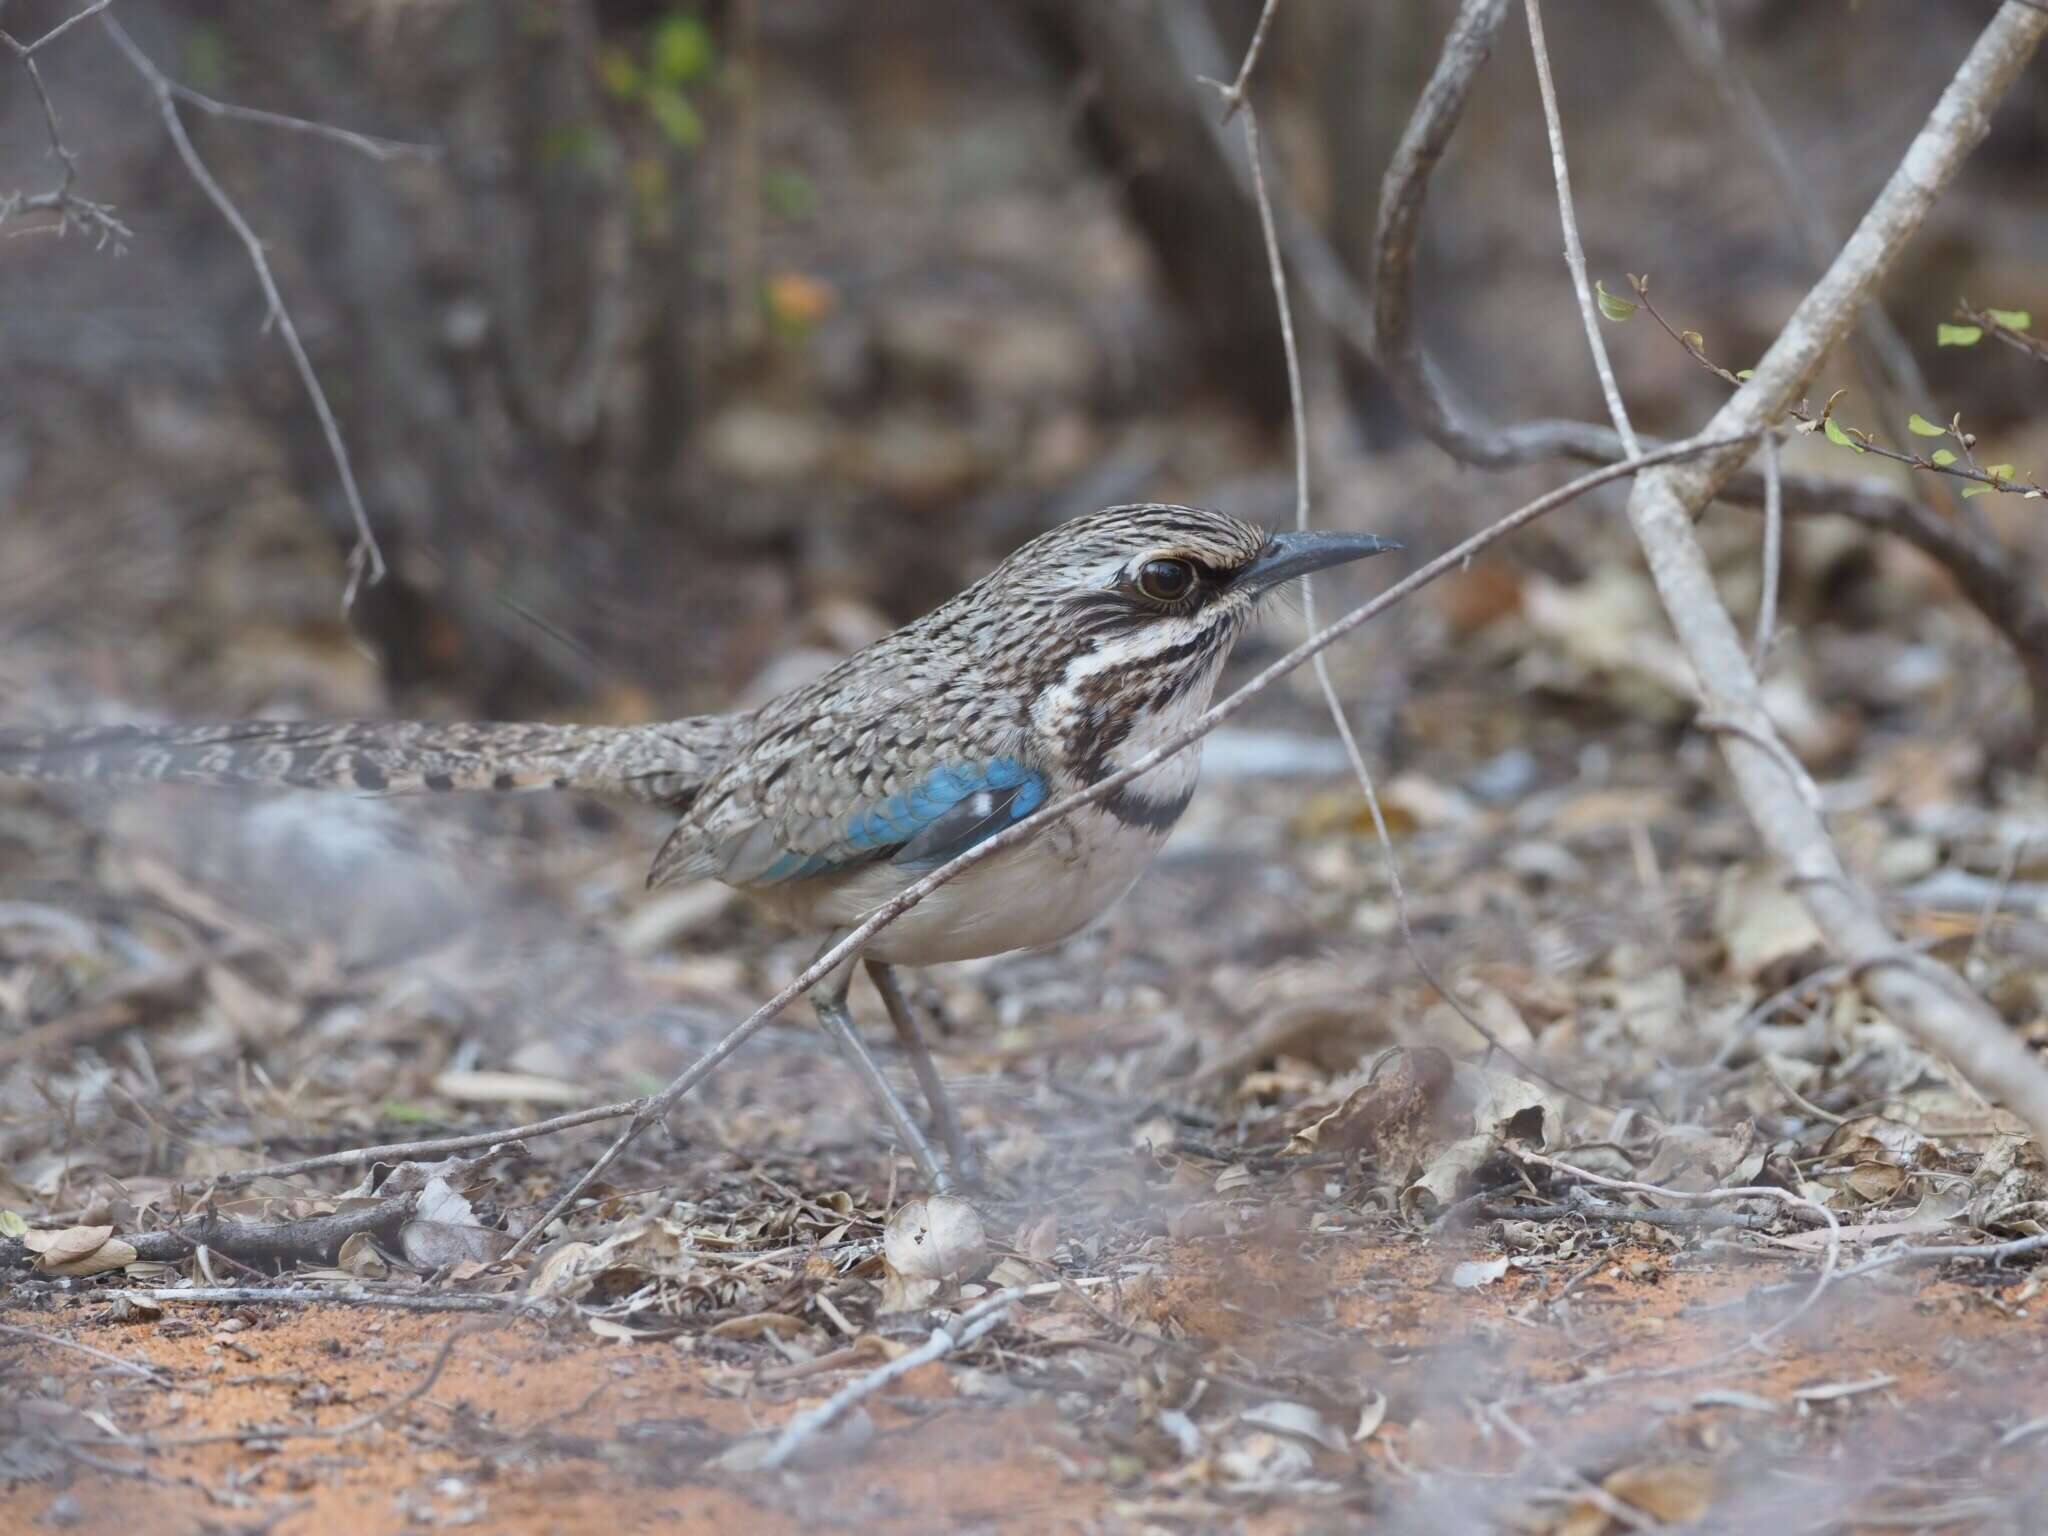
<point x="359" y="1257"/>
<point x="1284" y="1417"/>
<point x="1674" y="1492"/>
<point x="445" y="1231"/>
<point x="1765" y="928"/>
<point x="1474" y="1273"/>
<point x="1445" y="1177"/>
<point x="79" y="1251"/>
<point x="1389" y="1115"/>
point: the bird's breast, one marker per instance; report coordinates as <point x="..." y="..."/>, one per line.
<point x="1037" y="893"/>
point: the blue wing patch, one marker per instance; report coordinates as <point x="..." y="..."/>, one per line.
<point x="948" y="812"/>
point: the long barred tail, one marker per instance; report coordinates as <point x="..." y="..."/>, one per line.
<point x="665" y="764"/>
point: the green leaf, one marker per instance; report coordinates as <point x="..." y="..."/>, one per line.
<point x="674" y="115"/>
<point x="621" y="76"/>
<point x="571" y="144"/>
<point x="790" y="194"/>
<point x="1999" y="471"/>
<point x="1837" y="436"/>
<point x="1958" y="335"/>
<point x="1943" y="457"/>
<point x="1977" y="490"/>
<point x="409" y="1114"/>
<point x="12" y="1224"/>
<point x="1613" y="306"/>
<point x="206" y="59"/>
<point x="1745" y="374"/>
<point x="2012" y="319"/>
<point x="1920" y="426"/>
<point x="680" y="51"/>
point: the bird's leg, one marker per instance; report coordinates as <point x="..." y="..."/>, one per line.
<point x="829" y="999"/>
<point x="911" y="1036"/>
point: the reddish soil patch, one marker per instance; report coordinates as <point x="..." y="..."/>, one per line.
<point x="532" y="1431"/>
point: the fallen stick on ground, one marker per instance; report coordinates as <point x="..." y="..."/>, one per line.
<point x="331" y="1296"/>
<point x="983" y="1317"/>
<point x="1831" y="1255"/>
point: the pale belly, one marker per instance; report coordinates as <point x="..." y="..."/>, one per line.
<point x="1038" y="893"/>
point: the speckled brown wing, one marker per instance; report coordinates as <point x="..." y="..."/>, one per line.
<point x="854" y="765"/>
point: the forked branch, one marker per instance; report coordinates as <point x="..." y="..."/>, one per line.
<point x="1984" y="571"/>
<point x="1921" y="994"/>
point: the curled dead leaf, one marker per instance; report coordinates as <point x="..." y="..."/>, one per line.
<point x="1674" y="1492"/>
<point x="1765" y="928"/>
<point x="1474" y="1273"/>
<point x="1390" y="1115"/>
<point x="1444" y="1179"/>
<point x="359" y="1257"/>
<point x="79" y="1251"/>
<point x="566" y="1271"/>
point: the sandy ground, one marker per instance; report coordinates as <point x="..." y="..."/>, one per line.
<point x="529" y="1429"/>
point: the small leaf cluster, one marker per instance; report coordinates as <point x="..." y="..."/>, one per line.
<point x="1968" y="335"/>
<point x="679" y="54"/>
<point x="1985" y="478"/>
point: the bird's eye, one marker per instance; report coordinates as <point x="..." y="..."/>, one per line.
<point x="1166" y="581"/>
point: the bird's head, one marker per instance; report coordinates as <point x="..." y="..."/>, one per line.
<point x="1115" y="626"/>
<point x="1156" y="583"/>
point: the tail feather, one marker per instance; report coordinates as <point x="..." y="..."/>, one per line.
<point x="664" y="764"/>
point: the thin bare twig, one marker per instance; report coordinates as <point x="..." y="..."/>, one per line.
<point x="69" y="207"/>
<point x="1774" y="554"/>
<point x="377" y="148"/>
<point x="1784" y="1197"/>
<point x="1574" y="249"/>
<point x="1591" y="1210"/>
<point x="1298" y="407"/>
<point x="982" y="1318"/>
<point x="1831" y="1258"/>
<point x="366" y="560"/>
<point x="1960" y="1253"/>
<point x="64" y="26"/>
<point x="335" y="1296"/>
<point x="1233" y="93"/>
<point x="401" y="1151"/>
<point x="148" y="1373"/>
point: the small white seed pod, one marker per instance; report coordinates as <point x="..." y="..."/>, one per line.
<point x="939" y="1237"/>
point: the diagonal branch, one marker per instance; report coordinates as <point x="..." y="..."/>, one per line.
<point x="1982" y="568"/>
<point x="1921" y="994"/>
<point x="366" y="560"/>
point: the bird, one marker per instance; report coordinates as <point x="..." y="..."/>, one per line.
<point x="1086" y="648"/>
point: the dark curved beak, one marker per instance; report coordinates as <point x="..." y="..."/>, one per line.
<point x="1288" y="555"/>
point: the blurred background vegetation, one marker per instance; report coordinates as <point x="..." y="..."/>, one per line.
<point x="719" y="337"/>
